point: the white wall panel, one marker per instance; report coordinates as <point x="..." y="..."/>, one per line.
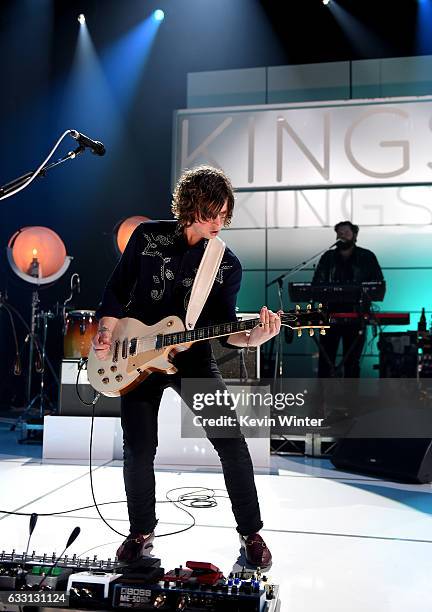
<point x="249" y="246"/>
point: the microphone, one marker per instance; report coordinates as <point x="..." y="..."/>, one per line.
<point x="96" y="147"/>
<point x="338" y="243"/>
<point x="73" y="536"/>
<point x="33" y="520"/>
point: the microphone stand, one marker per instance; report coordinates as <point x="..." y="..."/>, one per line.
<point x="278" y="369"/>
<point x="21" y="180"/>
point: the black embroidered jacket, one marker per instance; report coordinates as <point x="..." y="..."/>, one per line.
<point x="155" y="274"/>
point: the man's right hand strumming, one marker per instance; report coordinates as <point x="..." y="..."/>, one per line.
<point x="102" y="341"/>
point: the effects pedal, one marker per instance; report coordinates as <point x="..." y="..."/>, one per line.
<point x="56" y="578"/>
<point x="184" y="589"/>
<point x="91" y="588"/>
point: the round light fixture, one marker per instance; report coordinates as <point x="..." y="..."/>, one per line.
<point x="37" y="255"/>
<point x="124" y="229"/>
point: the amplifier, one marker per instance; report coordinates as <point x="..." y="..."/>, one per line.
<point x="398" y="354"/>
<point x="238" y="364"/>
<point x="70" y="405"/>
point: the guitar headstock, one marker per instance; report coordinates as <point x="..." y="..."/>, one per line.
<point x="299" y="319"/>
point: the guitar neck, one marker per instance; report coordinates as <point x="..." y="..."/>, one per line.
<point x="206" y="333"/>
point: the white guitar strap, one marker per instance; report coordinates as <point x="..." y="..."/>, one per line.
<point x="204" y="280"/>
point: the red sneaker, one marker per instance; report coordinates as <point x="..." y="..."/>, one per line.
<point x="135" y="547"/>
<point x="256" y="550"/>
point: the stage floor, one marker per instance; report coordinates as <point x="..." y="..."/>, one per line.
<point x="339" y="542"/>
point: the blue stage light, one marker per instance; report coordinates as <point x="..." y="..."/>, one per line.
<point x="159" y="15"/>
<point x="81" y="19"/>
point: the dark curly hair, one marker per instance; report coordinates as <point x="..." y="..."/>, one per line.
<point x="200" y="194"/>
<point x="354" y="228"/>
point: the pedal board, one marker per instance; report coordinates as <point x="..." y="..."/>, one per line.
<point x="96" y="584"/>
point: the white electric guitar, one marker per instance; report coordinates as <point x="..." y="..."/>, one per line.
<point x="137" y="350"/>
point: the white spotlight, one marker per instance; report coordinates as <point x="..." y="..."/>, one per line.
<point x="81" y="19"/>
<point x="325" y="2"/>
<point x="159" y="15"/>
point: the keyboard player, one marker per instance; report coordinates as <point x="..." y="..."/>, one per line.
<point x="346" y="264"/>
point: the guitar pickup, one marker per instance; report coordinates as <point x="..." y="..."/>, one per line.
<point x="125" y="344"/>
<point x="159" y="341"/>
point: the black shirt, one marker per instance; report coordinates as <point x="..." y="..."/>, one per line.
<point x="361" y="266"/>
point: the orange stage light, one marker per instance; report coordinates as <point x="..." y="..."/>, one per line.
<point x="38" y="255"/>
<point x="125" y="229"/>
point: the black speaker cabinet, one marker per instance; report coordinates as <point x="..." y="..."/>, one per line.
<point x="399" y="459"/>
<point x="70" y="405"/>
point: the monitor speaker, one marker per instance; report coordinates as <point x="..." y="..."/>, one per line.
<point x="399" y="459"/>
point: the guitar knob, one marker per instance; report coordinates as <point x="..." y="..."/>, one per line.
<point x="322" y="332"/>
<point x="119" y="378"/>
<point x="113" y="368"/>
<point x="299" y="333"/>
<point x="101" y="371"/>
<point x="105" y="380"/>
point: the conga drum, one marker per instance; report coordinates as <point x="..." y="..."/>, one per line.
<point x="80" y="328"/>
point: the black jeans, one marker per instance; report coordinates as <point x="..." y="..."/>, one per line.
<point x="353" y="338"/>
<point x="139" y="414"/>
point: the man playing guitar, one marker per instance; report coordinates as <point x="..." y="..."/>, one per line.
<point x="152" y="280"/>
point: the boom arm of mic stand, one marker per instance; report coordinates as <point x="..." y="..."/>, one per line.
<point x="298" y="267"/>
<point x="22" y="180"/>
<point x="278" y="368"/>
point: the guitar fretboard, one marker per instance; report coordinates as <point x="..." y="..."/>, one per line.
<point x="205" y="333"/>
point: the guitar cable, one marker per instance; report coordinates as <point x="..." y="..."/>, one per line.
<point x="82" y="363"/>
<point x="201" y="498"/>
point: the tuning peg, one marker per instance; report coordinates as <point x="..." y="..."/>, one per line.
<point x="322" y="332"/>
<point x="297" y="308"/>
<point x="299" y="333"/>
<point x="311" y="332"/>
<point x="309" y="307"/>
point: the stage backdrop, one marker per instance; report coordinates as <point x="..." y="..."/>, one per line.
<point x="299" y="169"/>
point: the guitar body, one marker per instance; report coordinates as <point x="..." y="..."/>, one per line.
<point x="125" y="367"/>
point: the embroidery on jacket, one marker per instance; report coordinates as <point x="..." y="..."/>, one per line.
<point x="151" y="250"/>
<point x="219" y="278"/>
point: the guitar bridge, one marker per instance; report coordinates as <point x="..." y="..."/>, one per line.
<point x="116" y="351"/>
<point x="133" y="346"/>
<point x="124" y="348"/>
